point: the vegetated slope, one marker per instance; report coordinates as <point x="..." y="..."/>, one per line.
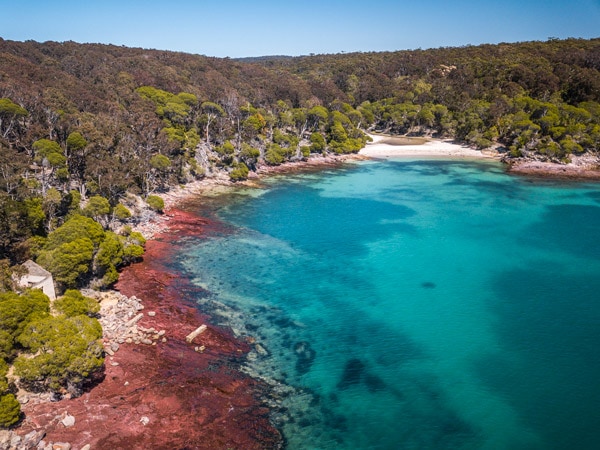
<point x="539" y="96"/>
<point x="104" y="120"/>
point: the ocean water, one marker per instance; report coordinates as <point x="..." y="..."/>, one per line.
<point x="410" y="304"/>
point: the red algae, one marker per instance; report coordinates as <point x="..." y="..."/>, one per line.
<point x="171" y="394"/>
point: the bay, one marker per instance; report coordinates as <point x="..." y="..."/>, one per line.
<point x="408" y="304"/>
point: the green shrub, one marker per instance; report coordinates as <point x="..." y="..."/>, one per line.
<point x="74" y="303"/>
<point x="3" y="371"/>
<point x="121" y="212"/>
<point x="227" y="149"/>
<point x="77" y="227"/>
<point x="240" y="172"/>
<point x="275" y="155"/>
<point x="6" y="346"/>
<point x="16" y="311"/>
<point x="80" y="250"/>
<point x="110" y="252"/>
<point x="68" y="352"/>
<point x="97" y="206"/>
<point x="133" y="248"/>
<point x="317" y="143"/>
<point x="69" y="262"/>
<point x="156" y="203"/>
<point x="249" y="153"/>
<point x="10" y="410"/>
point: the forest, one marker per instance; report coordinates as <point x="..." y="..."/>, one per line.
<point x="90" y="133"/>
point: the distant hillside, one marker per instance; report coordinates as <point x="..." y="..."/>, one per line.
<point x="262" y="59"/>
<point x="567" y="67"/>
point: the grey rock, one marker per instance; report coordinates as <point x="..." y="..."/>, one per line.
<point x="68" y="421"/>
<point x="15" y="440"/>
<point x="33" y="438"/>
<point x="4" y="438"/>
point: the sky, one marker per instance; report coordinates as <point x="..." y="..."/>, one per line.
<point x="236" y="28"/>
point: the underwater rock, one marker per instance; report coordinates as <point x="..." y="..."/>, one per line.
<point x="353" y="373"/>
<point x="374" y="383"/>
<point x="306" y="356"/>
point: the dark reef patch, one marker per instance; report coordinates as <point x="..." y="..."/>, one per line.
<point x="374" y="383"/>
<point x="353" y="373"/>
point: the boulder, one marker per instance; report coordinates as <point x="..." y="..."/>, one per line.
<point x="190" y="337"/>
<point x="68" y="421"/>
<point x="61" y="446"/>
<point x="33" y="438"/>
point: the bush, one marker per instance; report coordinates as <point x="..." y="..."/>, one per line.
<point x="6" y="346"/>
<point x="10" y="410"/>
<point x="81" y="250"/>
<point x="77" y="227"/>
<point x="110" y="252"/>
<point x="69" y="262"/>
<point x="68" y="352"/>
<point x="317" y="143"/>
<point x="133" y="249"/>
<point x="240" y="172"/>
<point x="275" y="155"/>
<point x="156" y="203"/>
<point x="97" y="206"/>
<point x="74" y="303"/>
<point x="3" y="380"/>
<point x="17" y="310"/>
<point x="249" y="153"/>
<point x="227" y="149"/>
<point x="121" y="212"/>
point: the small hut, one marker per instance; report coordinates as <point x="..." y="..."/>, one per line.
<point x="38" y="278"/>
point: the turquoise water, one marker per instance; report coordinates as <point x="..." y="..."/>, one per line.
<point x="416" y="305"/>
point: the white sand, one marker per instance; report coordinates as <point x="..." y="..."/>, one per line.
<point x="432" y="148"/>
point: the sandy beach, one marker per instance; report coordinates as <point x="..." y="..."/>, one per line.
<point x="391" y="147"/>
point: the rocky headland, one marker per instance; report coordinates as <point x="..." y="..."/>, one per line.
<point x="585" y="167"/>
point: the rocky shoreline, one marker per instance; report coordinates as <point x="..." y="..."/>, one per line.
<point x="164" y="386"/>
<point x="588" y="169"/>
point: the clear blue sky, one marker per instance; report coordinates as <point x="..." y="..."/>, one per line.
<point x="237" y="28"/>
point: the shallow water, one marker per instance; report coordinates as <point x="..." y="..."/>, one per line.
<point x="417" y="304"/>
